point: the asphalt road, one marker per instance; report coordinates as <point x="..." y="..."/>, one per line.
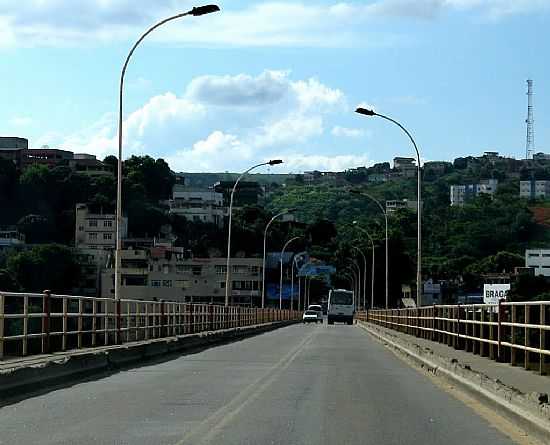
<point x="314" y="384"/>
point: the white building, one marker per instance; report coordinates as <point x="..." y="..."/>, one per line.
<point x="168" y="274"/>
<point x="539" y="260"/>
<point x="534" y="189"/>
<point x="198" y="205"/>
<point x="95" y="230"/>
<point x="396" y="204"/>
<point x="11" y="237"/>
<point x="460" y="194"/>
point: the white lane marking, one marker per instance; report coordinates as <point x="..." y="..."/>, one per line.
<point x="209" y="428"/>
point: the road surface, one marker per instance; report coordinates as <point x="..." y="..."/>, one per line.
<point x="314" y="384"/>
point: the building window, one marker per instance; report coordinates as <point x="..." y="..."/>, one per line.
<point x="182" y="284"/>
<point x="533" y="255"/>
<point x="92" y="236"/>
<point x="221" y="270"/>
<point x="183" y="268"/>
<point x="546" y="255"/>
<point x="240" y="270"/>
<point x="80" y="228"/>
<point x="222" y="284"/>
<point x="166" y="283"/>
<point x="107" y="223"/>
<point x="107" y="236"/>
<point x="197" y="270"/>
<point x="155" y="283"/>
<point x="92" y="222"/>
<point x="253" y="270"/>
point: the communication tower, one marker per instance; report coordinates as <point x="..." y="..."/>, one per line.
<point x="530" y="121"/>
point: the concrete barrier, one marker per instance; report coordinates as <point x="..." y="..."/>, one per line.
<point x="57" y="369"/>
<point x="531" y="412"/>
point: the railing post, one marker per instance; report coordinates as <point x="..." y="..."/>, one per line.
<point x="434" y="309"/>
<point x="161" y="321"/>
<point x="2" y="305"/>
<point x="79" y="323"/>
<point x="192" y="318"/>
<point x="499" y="331"/>
<point x="211" y="316"/>
<point x="542" y="338"/>
<point x="513" y="351"/>
<point x="457" y="344"/>
<point x="118" y="318"/>
<point x="46" y="309"/>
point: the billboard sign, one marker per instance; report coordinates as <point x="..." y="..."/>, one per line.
<point x="492" y="293"/>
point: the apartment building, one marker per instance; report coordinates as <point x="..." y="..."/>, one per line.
<point x="460" y="194"/>
<point x="396" y="204"/>
<point x="11" y="237"/>
<point x="534" y="189"/>
<point x="198" y="204"/>
<point x="405" y="167"/>
<point x="539" y="260"/>
<point x="169" y="274"/>
<point x="96" y="230"/>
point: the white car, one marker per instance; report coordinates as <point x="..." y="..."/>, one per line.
<point x="317" y="308"/>
<point x="310" y="317"/>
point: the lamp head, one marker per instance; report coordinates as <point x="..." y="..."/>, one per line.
<point x="365" y="111"/>
<point x="203" y="10"/>
<point x="275" y="161"/>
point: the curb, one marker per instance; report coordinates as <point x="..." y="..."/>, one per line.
<point x="18" y="381"/>
<point x="531" y="412"/>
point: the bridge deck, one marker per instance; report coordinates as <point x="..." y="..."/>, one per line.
<point x="314" y="384"/>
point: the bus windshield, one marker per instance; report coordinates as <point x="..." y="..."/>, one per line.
<point x="339" y="297"/>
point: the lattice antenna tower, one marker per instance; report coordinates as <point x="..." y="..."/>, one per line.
<point x="530" y="121"/>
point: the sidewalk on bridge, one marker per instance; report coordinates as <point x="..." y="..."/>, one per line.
<point x="512" y="376"/>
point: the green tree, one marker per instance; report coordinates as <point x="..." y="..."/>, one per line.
<point x="47" y="266"/>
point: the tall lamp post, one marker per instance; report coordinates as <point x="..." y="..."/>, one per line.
<point x="385" y="213"/>
<point x="358" y="270"/>
<point x="353" y="275"/>
<point x="292" y="282"/>
<point x="364" y="275"/>
<point x="366" y="112"/>
<point x="372" y="266"/>
<point x="284" y="212"/>
<point x="198" y="11"/>
<point x="228" y="262"/>
<point x="281" y="277"/>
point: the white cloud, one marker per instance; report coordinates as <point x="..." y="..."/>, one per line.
<point x="302" y="162"/>
<point x="220" y="123"/>
<point x="347" y="132"/>
<point x="270" y="23"/>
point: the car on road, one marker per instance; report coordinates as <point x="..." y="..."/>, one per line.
<point x="317" y="308"/>
<point x="310" y="317"/>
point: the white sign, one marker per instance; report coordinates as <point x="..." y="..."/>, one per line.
<point x="492" y="293"/>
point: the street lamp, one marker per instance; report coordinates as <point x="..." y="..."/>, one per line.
<point x="364" y="275"/>
<point x="284" y="212"/>
<point x="197" y="11"/>
<point x="372" y="267"/>
<point x="358" y="270"/>
<point x="281" y="278"/>
<point x="362" y="193"/>
<point x="296" y="257"/>
<point x="355" y="280"/>
<point x="227" y="272"/>
<point x="366" y="112"/>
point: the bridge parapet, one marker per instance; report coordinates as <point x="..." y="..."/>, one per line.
<point x="513" y="332"/>
<point x="45" y="323"/>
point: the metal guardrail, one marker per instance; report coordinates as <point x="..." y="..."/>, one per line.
<point x="45" y="323"/>
<point x="513" y="332"/>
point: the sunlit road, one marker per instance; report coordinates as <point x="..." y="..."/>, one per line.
<point x="297" y="385"/>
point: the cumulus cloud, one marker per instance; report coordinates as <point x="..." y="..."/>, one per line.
<point x="242" y="90"/>
<point x="271" y="23"/>
<point x="219" y="123"/>
<point x="303" y="162"/>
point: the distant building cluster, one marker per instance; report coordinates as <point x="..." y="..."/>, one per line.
<point x="461" y="194"/>
<point x="17" y="150"/>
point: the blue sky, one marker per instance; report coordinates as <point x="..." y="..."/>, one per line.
<point x="277" y="79"/>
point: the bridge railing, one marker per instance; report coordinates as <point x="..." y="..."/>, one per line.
<point x="513" y="332"/>
<point x="45" y="323"/>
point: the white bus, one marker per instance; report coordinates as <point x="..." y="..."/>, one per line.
<point x="341" y="306"/>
